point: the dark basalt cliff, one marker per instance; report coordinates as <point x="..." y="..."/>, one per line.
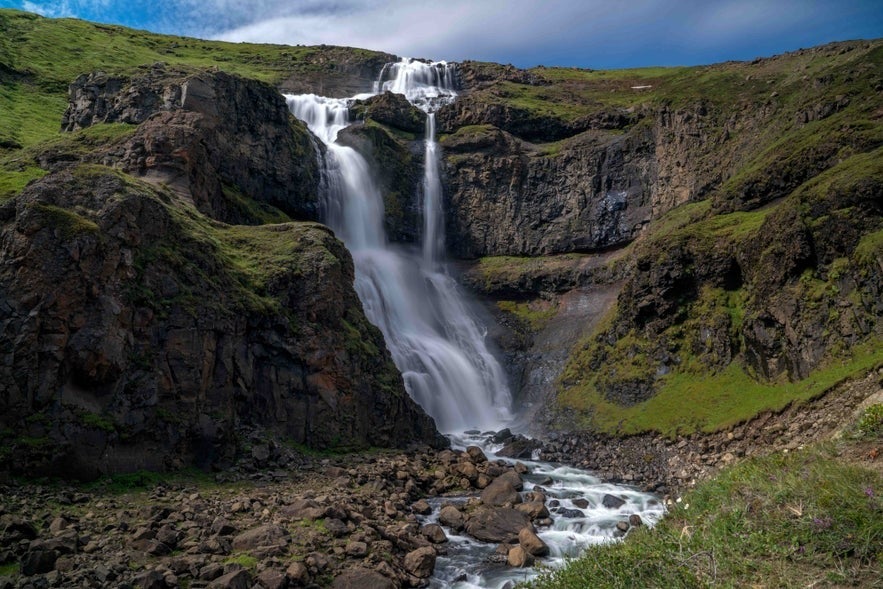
<point x="140" y="330"/>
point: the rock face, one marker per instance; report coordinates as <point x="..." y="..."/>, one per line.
<point x="228" y="142"/>
<point x="140" y="332"/>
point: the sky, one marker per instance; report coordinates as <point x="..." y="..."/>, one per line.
<point x="597" y="34"/>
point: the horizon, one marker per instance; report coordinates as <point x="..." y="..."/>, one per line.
<point x="560" y="33"/>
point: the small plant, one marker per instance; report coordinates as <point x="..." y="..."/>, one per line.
<point x="246" y="561"/>
<point x="870" y="424"/>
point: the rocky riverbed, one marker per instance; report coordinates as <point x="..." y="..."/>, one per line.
<point x="278" y="520"/>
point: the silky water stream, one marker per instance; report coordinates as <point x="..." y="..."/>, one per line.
<point x="433" y="334"/>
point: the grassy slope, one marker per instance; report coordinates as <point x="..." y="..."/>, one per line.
<point x="40" y="57"/>
<point x="813" y="518"/>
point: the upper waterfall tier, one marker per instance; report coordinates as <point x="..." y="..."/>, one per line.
<point x="426" y="85"/>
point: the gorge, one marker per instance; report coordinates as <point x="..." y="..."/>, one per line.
<point x="292" y="267"/>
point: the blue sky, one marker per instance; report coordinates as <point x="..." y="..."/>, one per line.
<point x="584" y="33"/>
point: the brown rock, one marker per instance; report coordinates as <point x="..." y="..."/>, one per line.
<point x="434" y="533"/>
<point x="532" y="543"/>
<point x="496" y="524"/>
<point x="272" y="579"/>
<point x="476" y="454"/>
<point x="421" y="507"/>
<point x="297" y="573"/>
<point x="500" y="492"/>
<point x="533" y="509"/>
<point x="356" y="549"/>
<point x="240" y="579"/>
<point x="420" y="562"/>
<point x="452" y="517"/>
<point x="261" y="536"/>
<point x="519" y="557"/>
<point x="362" y="578"/>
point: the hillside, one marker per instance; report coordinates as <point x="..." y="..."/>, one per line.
<point x="652" y="239"/>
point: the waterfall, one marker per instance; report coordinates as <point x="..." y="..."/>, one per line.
<point x="434" y="338"/>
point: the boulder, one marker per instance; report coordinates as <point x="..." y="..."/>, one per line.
<point x="263" y="536"/>
<point x="452" y="517"/>
<point x="612" y="502"/>
<point x="434" y="533"/>
<point x="496" y="524"/>
<point x="519" y="557"/>
<point x="500" y="492"/>
<point x="362" y="578"/>
<point x="420" y="562"/>
<point x="240" y="579"/>
<point x="532" y="543"/>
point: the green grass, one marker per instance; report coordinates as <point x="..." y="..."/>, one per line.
<point x="67" y="222"/>
<point x="803" y="519"/>
<point x="34" y="97"/>
<point x="535" y="315"/>
<point x="686" y="402"/>
<point x="10" y="569"/>
<point x="246" y="561"/>
<point x="12" y="181"/>
<point x="120" y="484"/>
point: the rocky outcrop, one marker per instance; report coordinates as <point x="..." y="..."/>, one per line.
<point x="227" y="142"/>
<point x="339" y="72"/>
<point x="507" y="199"/>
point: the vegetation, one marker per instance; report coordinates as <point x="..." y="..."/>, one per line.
<point x="801" y="519"/>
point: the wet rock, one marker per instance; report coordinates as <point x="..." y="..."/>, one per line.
<point x="532" y="543"/>
<point x="500" y="492"/>
<point x="570" y="513"/>
<point x="434" y="533"/>
<point x="612" y="502"/>
<point x="421" y="507"/>
<point x="519" y="557"/>
<point x="420" y="562"/>
<point x="452" y="517"/>
<point x="533" y="509"/>
<point x="581" y="503"/>
<point x="635" y="520"/>
<point x="496" y="524"/>
<point x="622" y="526"/>
<point x="501" y="436"/>
<point x="476" y="454"/>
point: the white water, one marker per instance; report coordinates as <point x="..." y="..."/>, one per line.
<point x="434" y="339"/>
<point x="433" y="336"/>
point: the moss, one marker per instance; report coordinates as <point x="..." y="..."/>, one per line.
<point x="245" y="560"/>
<point x="870" y="249"/>
<point x="97" y="421"/>
<point x="535" y="314"/>
<point x="14" y="179"/>
<point x="67" y="222"/>
<point x="252" y="210"/>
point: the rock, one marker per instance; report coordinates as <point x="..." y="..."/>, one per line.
<point x="266" y="535"/>
<point x="635" y="520"/>
<point x="622" y="526"/>
<point x="476" y="454"/>
<point x="239" y="579"/>
<point x="297" y="573"/>
<point x="211" y="571"/>
<point x="151" y="580"/>
<point x="57" y="525"/>
<point x="420" y="562"/>
<point x="501" y="436"/>
<point x="533" y="509"/>
<point x="272" y="579"/>
<point x="336" y="527"/>
<point x="570" y="513"/>
<point x="35" y="562"/>
<point x="451" y="517"/>
<point x="514" y="478"/>
<point x="303" y="509"/>
<point x="434" y="533"/>
<point x="421" y="507"/>
<point x="519" y="557"/>
<point x="500" y="492"/>
<point x="612" y="502"/>
<point x="496" y="524"/>
<point x="356" y="549"/>
<point x="532" y="543"/>
<point x="519" y="447"/>
<point x="362" y="578"/>
<point x="222" y="526"/>
<point x="581" y="503"/>
<point x="393" y="110"/>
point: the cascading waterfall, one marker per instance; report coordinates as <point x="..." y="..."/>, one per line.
<point x="432" y="335"/>
<point x="434" y="339"/>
